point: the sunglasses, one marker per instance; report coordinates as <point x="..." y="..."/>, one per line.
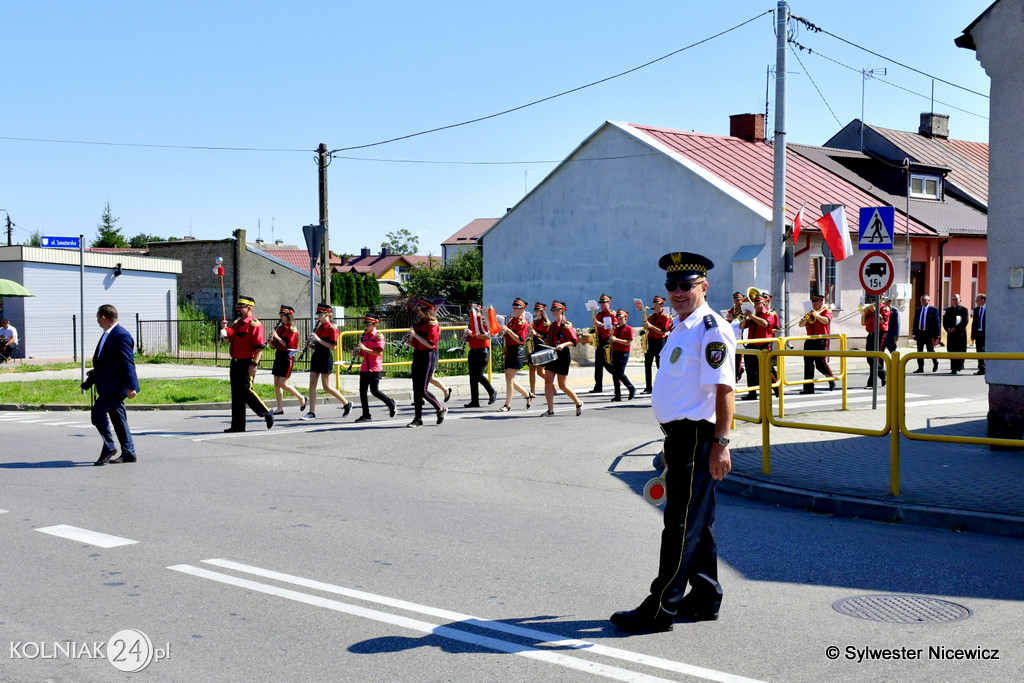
<point x="685" y="286"/>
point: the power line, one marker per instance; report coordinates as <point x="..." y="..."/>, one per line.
<point x="882" y="80"/>
<point x="818" y="29"/>
<point x="811" y="79"/>
<point x="157" y="146"/>
<point x="551" y="97"/>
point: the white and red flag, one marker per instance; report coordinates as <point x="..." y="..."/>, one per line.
<point x="798" y="223"/>
<point x="837" y="236"/>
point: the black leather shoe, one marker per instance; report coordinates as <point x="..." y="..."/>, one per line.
<point x="363" y="418"/>
<point x="918" y="371"/>
<point x="697" y="614"/>
<point x="269" y="417"/>
<point x="642" y="620"/>
<point x="831" y="386"/>
<point x="105" y="457"/>
<point x="935" y="367"/>
<point x="954" y="372"/>
<point x="883" y="381"/>
<point x="230" y="430"/>
<point x="596" y="390"/>
<point x="492" y="398"/>
<point x="123" y="459"/>
<point x="615" y="399"/>
<point x="749" y="397"/>
<point x="441" y="414"/>
<point x="807" y="391"/>
<point x="348" y="409"/>
<point x="391" y="409"/>
<point x="415" y="423"/>
<point x="980" y="372"/>
<point x="632" y="393"/>
<point x="472" y="404"/>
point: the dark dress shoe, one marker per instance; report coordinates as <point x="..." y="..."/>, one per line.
<point x="105" y="457"/>
<point x="642" y="620"/>
<point x="831" y="386"/>
<point x="230" y="430"/>
<point x="415" y="423"/>
<point x="363" y="418"/>
<point x="697" y="614"/>
<point x="980" y="372"/>
<point x="935" y="367"/>
<point x="632" y="393"/>
<point x="472" y="404"/>
<point x="391" y="409"/>
<point x="348" y="409"/>
<point x="918" y="371"/>
<point x="492" y="398"/>
<point x="597" y="390"/>
<point x="615" y="399"/>
<point x="954" y="372"/>
<point x="749" y="397"/>
<point x="123" y="459"/>
<point x="807" y="391"/>
<point x="269" y="417"/>
<point x="441" y="414"/>
<point x="646" y="391"/>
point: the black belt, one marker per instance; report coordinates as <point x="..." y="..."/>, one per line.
<point x="669" y="427"/>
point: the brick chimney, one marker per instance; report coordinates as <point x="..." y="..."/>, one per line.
<point x="749" y="127"/>
<point x="934" y="125"/>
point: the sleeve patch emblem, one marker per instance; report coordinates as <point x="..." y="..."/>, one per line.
<point x="715" y="353"/>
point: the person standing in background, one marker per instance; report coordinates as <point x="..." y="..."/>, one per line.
<point x="955" y="322"/>
<point x="978" y="330"/>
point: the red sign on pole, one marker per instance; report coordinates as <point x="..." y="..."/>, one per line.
<point x="876" y="273"/>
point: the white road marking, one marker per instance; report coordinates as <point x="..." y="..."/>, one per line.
<point x="86" y="536"/>
<point x="2" y="511"/>
<point x="30" y="420"/>
<point x="539" y="636"/>
<point x="936" y="402"/>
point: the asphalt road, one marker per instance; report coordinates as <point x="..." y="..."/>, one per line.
<point x="489" y="548"/>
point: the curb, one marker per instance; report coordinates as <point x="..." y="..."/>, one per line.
<point x="839" y="505"/>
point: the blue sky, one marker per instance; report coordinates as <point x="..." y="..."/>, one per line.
<point x="288" y="76"/>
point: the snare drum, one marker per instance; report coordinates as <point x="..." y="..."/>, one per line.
<point x="544" y="356"/>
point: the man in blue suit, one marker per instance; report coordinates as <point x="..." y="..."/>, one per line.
<point x="113" y="375"/>
<point x="927" y="328"/>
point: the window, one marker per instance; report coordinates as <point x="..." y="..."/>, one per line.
<point x="823" y="278"/>
<point x="925" y="186"/>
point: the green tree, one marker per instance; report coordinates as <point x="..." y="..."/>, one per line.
<point x="460" y="281"/>
<point x="108" y="234"/>
<point x="401" y="242"/>
<point x="142" y="240"/>
<point x="35" y="240"/>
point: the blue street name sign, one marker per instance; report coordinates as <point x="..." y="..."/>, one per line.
<point x="61" y="242"/>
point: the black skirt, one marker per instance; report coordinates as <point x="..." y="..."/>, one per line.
<point x="282" y="364"/>
<point x="515" y="357"/>
<point x="560" y="366"/>
<point x="322" y="361"/>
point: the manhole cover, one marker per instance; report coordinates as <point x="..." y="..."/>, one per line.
<point x="901" y="609"/>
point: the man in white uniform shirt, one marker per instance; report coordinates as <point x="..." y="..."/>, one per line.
<point x="693" y="401"/>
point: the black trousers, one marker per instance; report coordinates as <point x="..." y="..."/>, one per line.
<point x="875" y="366"/>
<point x="820" y="363"/>
<point x="600" y="365"/>
<point x="651" y="358"/>
<point x="750" y="362"/>
<point x="619" y="361"/>
<point x="979" y="346"/>
<point x="242" y="394"/>
<point x="477" y="361"/>
<point x="956" y="342"/>
<point x="370" y="382"/>
<point x="423" y="365"/>
<point x="688" y="551"/>
<point x="922" y="345"/>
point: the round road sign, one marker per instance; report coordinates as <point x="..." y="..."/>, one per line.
<point x="876" y="273"/>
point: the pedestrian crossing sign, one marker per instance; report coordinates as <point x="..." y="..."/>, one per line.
<point x="876" y="227"/>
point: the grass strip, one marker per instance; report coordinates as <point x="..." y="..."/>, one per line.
<point x="154" y="392"/>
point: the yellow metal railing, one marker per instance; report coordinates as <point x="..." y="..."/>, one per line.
<point x="894" y="394"/>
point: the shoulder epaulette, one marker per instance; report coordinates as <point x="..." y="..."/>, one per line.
<point x="710" y="322"/>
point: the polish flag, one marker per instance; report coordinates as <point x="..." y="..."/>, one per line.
<point x="798" y="223"/>
<point x="833" y="228"/>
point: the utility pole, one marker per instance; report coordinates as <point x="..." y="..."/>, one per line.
<point x="323" y="159"/>
<point x="779" y="146"/>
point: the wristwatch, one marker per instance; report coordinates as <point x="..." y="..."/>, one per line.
<point x="721" y="440"/>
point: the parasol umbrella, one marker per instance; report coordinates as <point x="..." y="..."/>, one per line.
<point x="12" y="288"/>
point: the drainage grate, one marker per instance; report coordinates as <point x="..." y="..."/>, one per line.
<point x="901" y="609"/>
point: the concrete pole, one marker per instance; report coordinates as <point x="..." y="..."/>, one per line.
<point x="779" y="145"/>
<point x="325" y="250"/>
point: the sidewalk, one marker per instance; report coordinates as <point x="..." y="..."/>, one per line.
<point x="946" y="485"/>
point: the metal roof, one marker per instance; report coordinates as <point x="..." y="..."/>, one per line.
<point x="471" y="232"/>
<point x="749" y="167"/>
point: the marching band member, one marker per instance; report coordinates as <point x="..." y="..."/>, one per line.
<point x="734" y="316"/>
<point x="516" y="332"/>
<point x="621" y="340"/>
<point x="875" y="338"/>
<point x="371" y="350"/>
<point x="425" y="335"/>
<point x="602" y="335"/>
<point x="817" y="321"/>
<point x="657" y="325"/>
<point x="479" y="339"/>
<point x="285" y="339"/>
<point x="539" y="333"/>
<point x="323" y="341"/>
<point x="761" y="324"/>
<point x="561" y="336"/>
<point x="247" y="340"/>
